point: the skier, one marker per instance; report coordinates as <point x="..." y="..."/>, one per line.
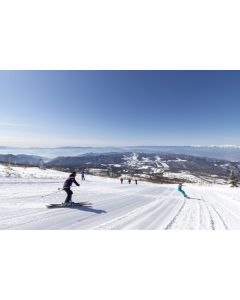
<point x="121" y="179"/>
<point x="67" y="187"/>
<point x="181" y="190"/>
<point x="136" y="181"/>
<point x="129" y="180"/>
<point x="83" y="175"/>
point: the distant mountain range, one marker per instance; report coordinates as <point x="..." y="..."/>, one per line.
<point x="226" y="152"/>
<point x="21" y="159"/>
<point x="149" y="165"/>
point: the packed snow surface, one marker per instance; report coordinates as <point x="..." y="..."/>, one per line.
<point x="114" y="205"/>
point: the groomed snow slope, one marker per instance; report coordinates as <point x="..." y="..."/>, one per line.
<point x="115" y="206"/>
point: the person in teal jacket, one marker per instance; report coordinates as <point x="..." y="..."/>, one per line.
<point x="180" y="186"/>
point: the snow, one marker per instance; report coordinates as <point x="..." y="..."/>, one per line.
<point x="156" y="170"/>
<point x="146" y="163"/>
<point x="115" y="206"/>
<point x="166" y="166"/>
<point x="146" y="159"/>
<point x="20" y="173"/>
<point x="160" y="162"/>
<point x="182" y="175"/>
<point x="131" y="160"/>
<point x="177" y="160"/>
<point x="225" y="146"/>
<point x="144" y="167"/>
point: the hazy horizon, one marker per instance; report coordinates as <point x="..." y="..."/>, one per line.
<point x="111" y="146"/>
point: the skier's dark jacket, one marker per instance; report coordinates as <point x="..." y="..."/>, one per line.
<point x="68" y="183"/>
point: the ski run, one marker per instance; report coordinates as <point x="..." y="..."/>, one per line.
<point x="115" y="206"/>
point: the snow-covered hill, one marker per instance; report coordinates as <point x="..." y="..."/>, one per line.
<point x="19" y="174"/>
<point x="115" y="206"/>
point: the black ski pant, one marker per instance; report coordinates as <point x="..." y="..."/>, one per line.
<point x="69" y="195"/>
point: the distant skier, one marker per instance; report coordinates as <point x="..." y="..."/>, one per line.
<point x="136" y="181"/>
<point x="67" y="187"/>
<point x="129" y="180"/>
<point x="83" y="175"/>
<point x="180" y="186"/>
<point x="121" y="179"/>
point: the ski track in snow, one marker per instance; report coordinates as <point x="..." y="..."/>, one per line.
<point x="145" y="206"/>
<point x="135" y="218"/>
<point x="170" y="225"/>
<point x="212" y="223"/>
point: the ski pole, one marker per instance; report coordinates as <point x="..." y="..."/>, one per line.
<point x="59" y="190"/>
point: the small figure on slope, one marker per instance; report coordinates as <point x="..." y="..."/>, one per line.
<point x="129" y="180"/>
<point x="67" y="187"/>
<point x="180" y="186"/>
<point x="121" y="179"/>
<point x="83" y="175"/>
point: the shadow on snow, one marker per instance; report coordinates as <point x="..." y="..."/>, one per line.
<point x="88" y="209"/>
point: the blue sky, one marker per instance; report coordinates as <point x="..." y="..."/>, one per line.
<point x="117" y="108"/>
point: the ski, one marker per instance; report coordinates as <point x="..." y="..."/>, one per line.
<point x="70" y="205"/>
